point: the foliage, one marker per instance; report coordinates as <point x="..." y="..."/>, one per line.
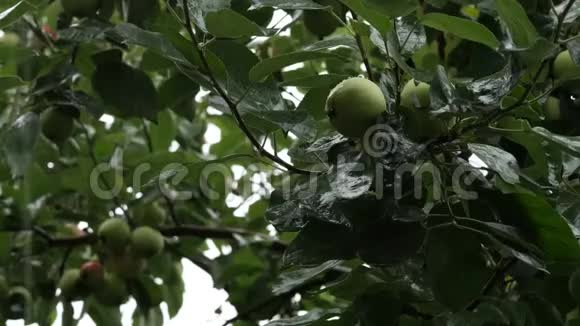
<point x="465" y="212"/>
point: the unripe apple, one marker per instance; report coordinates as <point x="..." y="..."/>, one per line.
<point x="416" y="95"/>
<point x="147" y="242"/>
<point x="9" y="39"/>
<point x="57" y="125"/>
<point x="574" y="285"/>
<point x="552" y="110"/>
<point x="323" y="23"/>
<point x="354" y="105"/>
<point x="149" y="215"/>
<point x="127" y="266"/>
<point x="115" y="234"/>
<point x="71" y="285"/>
<point x="19" y="301"/>
<point x="564" y="68"/>
<point x="113" y="292"/>
<point x="81" y="8"/>
<point x="92" y="274"/>
<point x="563" y="64"/>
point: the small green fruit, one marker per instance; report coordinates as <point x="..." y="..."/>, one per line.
<point x="126" y="266"/>
<point x="149" y="215"/>
<point x="574" y="285"/>
<point x="563" y="65"/>
<point x="565" y="68"/>
<point x="552" y="109"/>
<point x="81" y="8"/>
<point x="147" y="242"/>
<point x="71" y="285"/>
<point x="92" y="274"/>
<point x="57" y="125"/>
<point x="115" y="234"/>
<point x="9" y="39"/>
<point x="354" y="105"/>
<point x="113" y="292"/>
<point x="323" y="23"/>
<point x="416" y="95"/>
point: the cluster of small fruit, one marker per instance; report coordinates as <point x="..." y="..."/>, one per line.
<point x="356" y="103"/>
<point x="125" y="255"/>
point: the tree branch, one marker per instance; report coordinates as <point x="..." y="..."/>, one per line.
<point x="198" y="231"/>
<point x="233" y="106"/>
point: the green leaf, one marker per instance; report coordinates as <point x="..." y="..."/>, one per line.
<point x="456" y="265"/>
<point x="393" y="8"/>
<point x="155" y="42"/>
<point x="317" y="81"/>
<point x="163" y="133"/>
<point x="463" y="28"/>
<point x="498" y="160"/>
<point x="19" y="141"/>
<point x="320" y="242"/>
<point x="8" y="82"/>
<point x="549" y="230"/>
<point x="199" y="8"/>
<point x="514" y="16"/>
<point x="307" y="319"/>
<point x="127" y="91"/>
<point x="12" y="14"/>
<point x="285" y="4"/>
<point x="570" y="145"/>
<point x="292" y="279"/>
<point x="229" y="24"/>
<point x="103" y="316"/>
<point x="269" y="66"/>
<point x="379" y="21"/>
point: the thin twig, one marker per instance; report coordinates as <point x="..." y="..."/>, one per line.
<point x="363" y="51"/>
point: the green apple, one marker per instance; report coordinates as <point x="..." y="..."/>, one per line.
<point x="147" y="242"/>
<point x="127" y="266"/>
<point x="354" y="105"/>
<point x="113" y="292"/>
<point x="81" y="8"/>
<point x="115" y="234"/>
<point x="323" y="23"/>
<point x="552" y="110"/>
<point x="416" y="95"/>
<point x="149" y="215"/>
<point x="565" y="68"/>
<point x="71" y="285"/>
<point x="57" y="125"/>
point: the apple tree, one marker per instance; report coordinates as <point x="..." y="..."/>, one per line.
<point x="350" y="162"/>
